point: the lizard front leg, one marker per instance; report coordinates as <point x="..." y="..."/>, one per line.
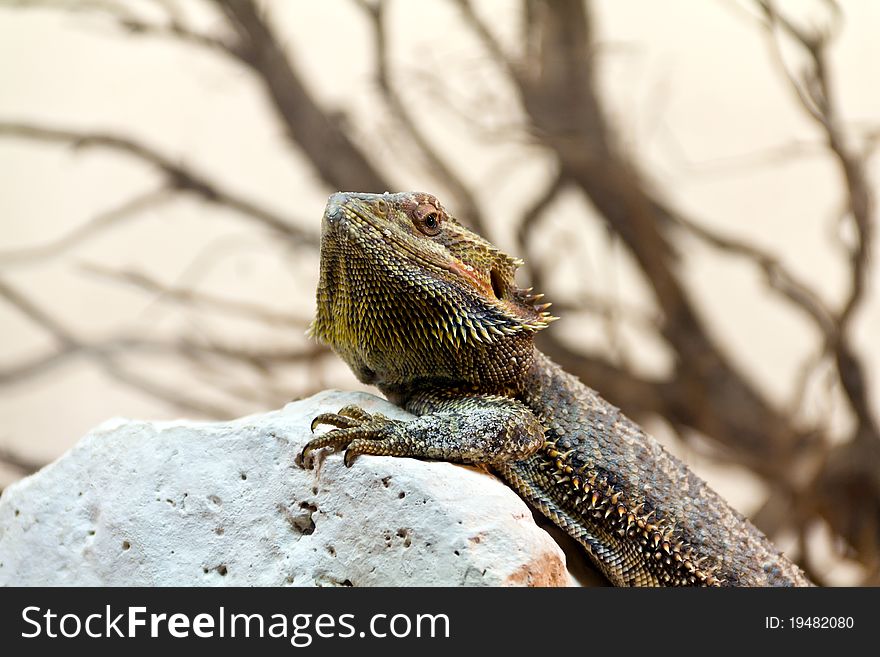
<point x="458" y="427"/>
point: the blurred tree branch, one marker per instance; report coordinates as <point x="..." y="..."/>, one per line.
<point x="177" y="176"/>
<point x="18" y="462"/>
<point x="466" y="202"/>
<point x="706" y="392"/>
<point x="848" y="486"/>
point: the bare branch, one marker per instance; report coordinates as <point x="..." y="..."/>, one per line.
<point x="105" y="355"/>
<point x="177" y="176"/>
<point x="101" y="222"/>
<point x="560" y="96"/>
<point x="110" y="349"/>
<point x="316" y="131"/>
<point x="132" y="22"/>
<point x="467" y="205"/>
<point x="777" y="276"/>
<point x="528" y="222"/>
<point x="18" y="462"/>
<point x="171" y="9"/>
<point x="36" y="314"/>
<point x="172" y="395"/>
<point x="787" y="153"/>
<point x="179" y="32"/>
<point x="492" y="45"/>
<point x="815" y="94"/>
<point x="191" y="299"/>
<point x="117" y="10"/>
<point x="609" y="309"/>
<point x="537" y="209"/>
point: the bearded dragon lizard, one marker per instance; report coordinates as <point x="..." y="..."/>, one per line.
<point x="426" y="310"/>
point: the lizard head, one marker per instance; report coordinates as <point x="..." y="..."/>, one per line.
<point x="406" y="292"/>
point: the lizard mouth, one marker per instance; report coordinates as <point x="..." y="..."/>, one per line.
<point x="357" y="218"/>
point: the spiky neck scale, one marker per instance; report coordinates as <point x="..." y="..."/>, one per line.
<point x="407" y="294"/>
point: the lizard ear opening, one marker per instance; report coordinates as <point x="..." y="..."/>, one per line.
<point x="498" y="286"/>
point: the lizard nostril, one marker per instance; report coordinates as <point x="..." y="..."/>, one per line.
<point x="334" y="205"/>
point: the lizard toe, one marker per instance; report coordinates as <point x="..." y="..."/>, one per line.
<point x="334" y="419"/>
<point x="355" y="412"/>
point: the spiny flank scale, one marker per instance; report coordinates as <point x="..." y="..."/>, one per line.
<point x="428" y="312"/>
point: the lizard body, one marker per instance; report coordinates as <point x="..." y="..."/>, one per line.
<point x="428" y="311"/>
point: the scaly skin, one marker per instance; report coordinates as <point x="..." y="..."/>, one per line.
<point x="428" y="312"/>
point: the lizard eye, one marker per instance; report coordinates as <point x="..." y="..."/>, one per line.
<point x="427" y="220"/>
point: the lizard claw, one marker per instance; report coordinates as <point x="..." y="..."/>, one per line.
<point x="335" y="419"/>
<point x="351" y="424"/>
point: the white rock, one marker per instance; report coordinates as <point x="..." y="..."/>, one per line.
<point x="187" y="503"/>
